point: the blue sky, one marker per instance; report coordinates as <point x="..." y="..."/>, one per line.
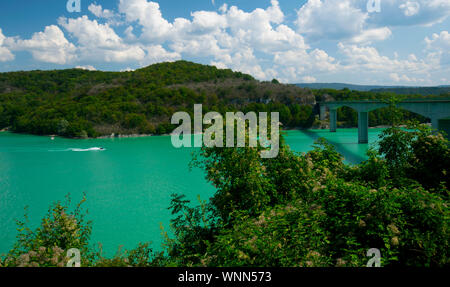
<point x="404" y="42"/>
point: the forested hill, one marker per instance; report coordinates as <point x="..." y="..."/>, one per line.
<point x="80" y="103"/>
<point x="422" y="91"/>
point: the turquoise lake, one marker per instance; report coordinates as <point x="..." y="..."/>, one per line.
<point x="128" y="185"/>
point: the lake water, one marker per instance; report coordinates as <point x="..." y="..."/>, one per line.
<point x="128" y="185"/>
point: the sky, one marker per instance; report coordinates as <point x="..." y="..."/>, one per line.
<point x="372" y="42"/>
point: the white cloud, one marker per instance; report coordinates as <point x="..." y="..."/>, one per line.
<point x="259" y="42"/>
<point x="90" y="32"/>
<point x="438" y="47"/>
<point x="149" y="16"/>
<point x="309" y="79"/>
<point x="293" y="65"/>
<point x="409" y="13"/>
<point x="410" y="8"/>
<point x="127" y="69"/>
<point x="372" y="35"/>
<point x="100" y="42"/>
<point x="333" y="19"/>
<point x="243" y="61"/>
<point x="99" y="12"/>
<point x="157" y="53"/>
<point x="5" y="53"/>
<point x="50" y="46"/>
<point x="348" y="19"/>
<point x="223" y="8"/>
<point x="231" y="38"/>
<point x="87" y="67"/>
<point x="439" y="41"/>
<point x="366" y="60"/>
<point x="403" y="78"/>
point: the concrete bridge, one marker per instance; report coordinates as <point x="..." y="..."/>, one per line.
<point x="438" y="111"/>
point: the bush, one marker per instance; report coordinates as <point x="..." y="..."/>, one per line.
<point x="293" y="210"/>
<point x="312" y="210"/>
<point x="60" y="230"/>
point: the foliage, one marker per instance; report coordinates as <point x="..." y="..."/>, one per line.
<point x="59" y="231"/>
<point x="293" y="210"/>
<point x="77" y="103"/>
<point x="418" y="154"/>
<point x="312" y="210"/>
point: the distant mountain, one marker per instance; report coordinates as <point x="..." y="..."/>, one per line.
<point x="423" y="91"/>
<point x="340" y="86"/>
<point x="401" y="90"/>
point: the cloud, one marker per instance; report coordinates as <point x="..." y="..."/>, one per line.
<point x="366" y="60"/>
<point x="254" y="28"/>
<point x="232" y="37"/>
<point x="409" y="13"/>
<point x="5" y="53"/>
<point x="87" y="67"/>
<point x="410" y="8"/>
<point x="99" y="42"/>
<point x="244" y="61"/>
<point x="439" y="41"/>
<point x="262" y="42"/>
<point x="293" y="65"/>
<point x="309" y="79"/>
<point x="127" y="69"/>
<point x="50" y="46"/>
<point x="149" y="16"/>
<point x="90" y="32"/>
<point x="371" y="35"/>
<point x="402" y="78"/>
<point x="438" y="48"/>
<point x="99" y="12"/>
<point x="342" y="20"/>
<point x="333" y="19"/>
<point x="157" y="53"/>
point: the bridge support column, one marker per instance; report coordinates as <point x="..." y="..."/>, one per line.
<point x="363" y="127"/>
<point x="435" y="123"/>
<point x="323" y="113"/>
<point x="333" y="121"/>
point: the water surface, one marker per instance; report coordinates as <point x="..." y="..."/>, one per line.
<point x="128" y="184"/>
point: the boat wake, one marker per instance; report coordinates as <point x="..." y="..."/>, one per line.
<point x="87" y="149"/>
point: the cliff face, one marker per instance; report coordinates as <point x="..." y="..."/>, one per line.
<point x="79" y="103"/>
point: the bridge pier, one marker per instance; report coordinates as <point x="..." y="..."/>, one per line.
<point x="435" y="123"/>
<point x="363" y="127"/>
<point x="323" y="112"/>
<point x="333" y="121"/>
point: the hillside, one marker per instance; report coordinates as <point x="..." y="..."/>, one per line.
<point x="79" y="103"/>
<point x="422" y="91"/>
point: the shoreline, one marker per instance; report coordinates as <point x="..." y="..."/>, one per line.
<point x="120" y="136"/>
